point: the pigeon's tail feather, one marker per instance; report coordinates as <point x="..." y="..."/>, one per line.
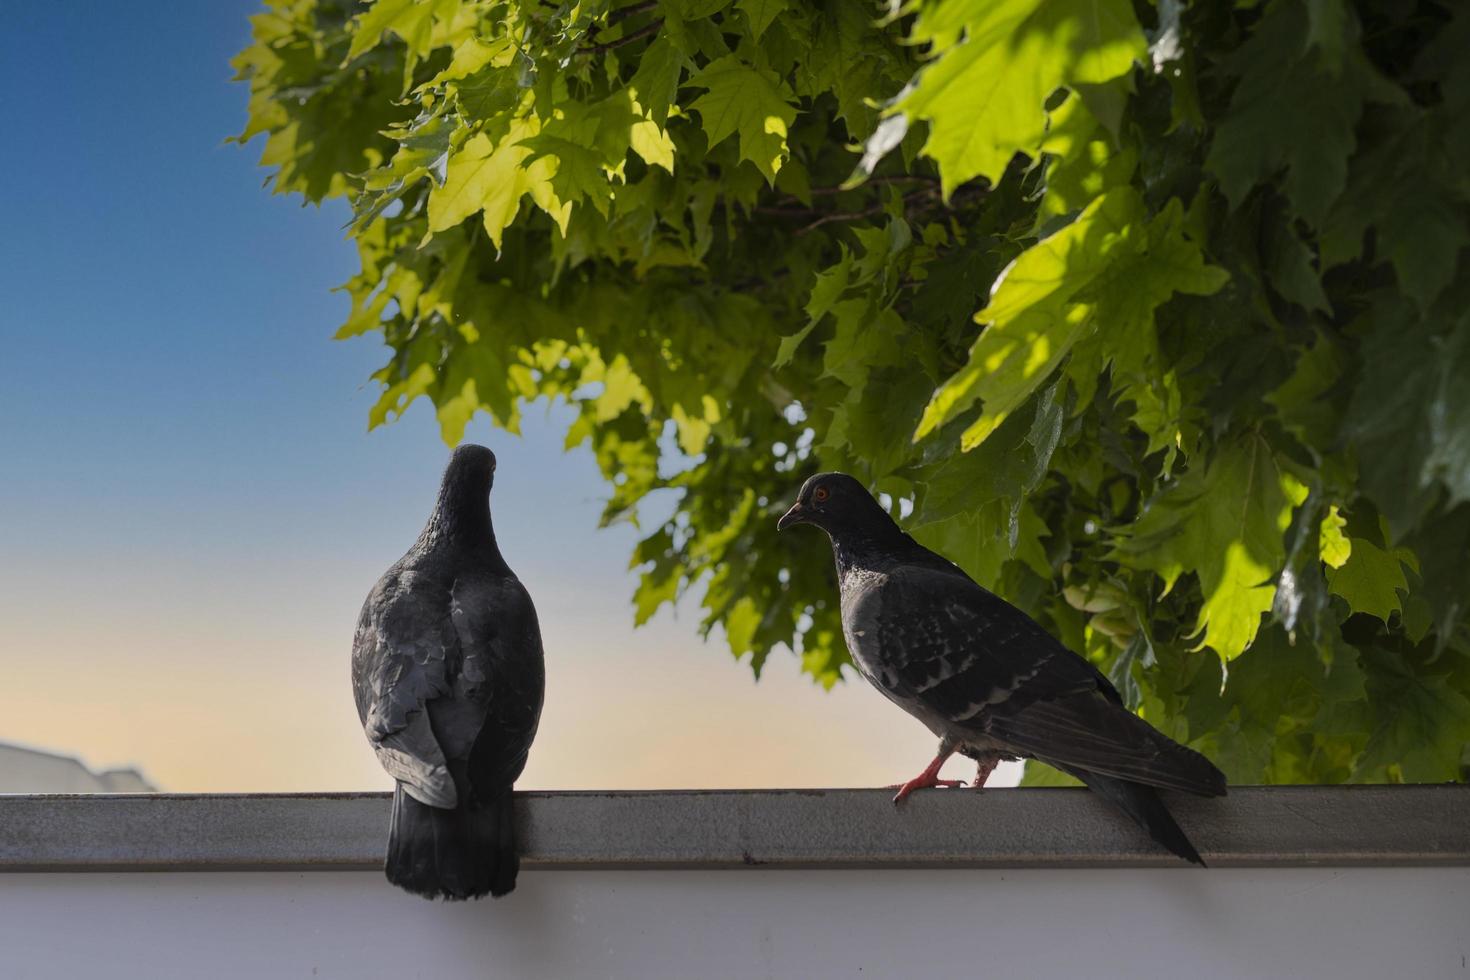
<point x="466" y="852"/>
<point x="1142" y="803"/>
<point x="507" y="858"/>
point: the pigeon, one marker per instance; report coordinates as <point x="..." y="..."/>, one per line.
<point x="448" y="675"/>
<point x="984" y="677"/>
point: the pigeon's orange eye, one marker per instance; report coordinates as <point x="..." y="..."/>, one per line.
<point x="820" y="494"/>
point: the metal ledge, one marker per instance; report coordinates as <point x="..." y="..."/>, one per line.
<point x="999" y="828"/>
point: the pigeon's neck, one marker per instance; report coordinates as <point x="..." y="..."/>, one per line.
<point x="461" y="520"/>
<point x="872" y="547"/>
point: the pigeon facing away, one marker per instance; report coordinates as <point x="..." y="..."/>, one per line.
<point x="982" y="675"/>
<point x="448" y="675"/>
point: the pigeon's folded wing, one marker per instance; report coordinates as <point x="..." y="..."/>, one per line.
<point x="1086" y="731"/>
<point x="502" y="677"/>
<point x="961" y="650"/>
<point x="403" y="643"/>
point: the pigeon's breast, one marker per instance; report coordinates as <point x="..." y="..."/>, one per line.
<point x="864" y="629"/>
<point x="876" y="638"/>
<point x="862" y="600"/>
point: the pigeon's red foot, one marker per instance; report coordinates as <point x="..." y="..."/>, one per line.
<point x="927" y="779"/>
<point x="983" y="771"/>
<point x="919" y="782"/>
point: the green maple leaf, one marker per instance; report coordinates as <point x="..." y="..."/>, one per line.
<point x="487" y="94"/>
<point x="492" y="179"/>
<point x="656" y="82"/>
<point x="760" y="13"/>
<point x="1226" y="523"/>
<point x="579" y="173"/>
<point x="1304" y="400"/>
<point x="412" y="20"/>
<point x="1277" y="685"/>
<point x="998" y="61"/>
<point x="753" y="102"/>
<point x="470" y="56"/>
<point x="1421" y="721"/>
<point x="655" y="587"/>
<point x="1407" y="186"/>
<point x="589" y="143"/>
<point x="827" y="287"/>
<point x="1293" y="269"/>
<point x="848" y="60"/>
<point x="1370" y="579"/>
<point x="1128" y="291"/>
<point x="1334" y="546"/>
<point x="1292" y="112"/>
<point x="475" y="379"/>
<point x="863" y="339"/>
<point x="1007" y="466"/>
<point x="741" y="623"/>
<point x="1444" y="585"/>
<point x="1085" y="162"/>
<point x="1410" y="413"/>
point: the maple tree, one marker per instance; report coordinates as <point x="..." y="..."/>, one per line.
<point x="1152" y="317"/>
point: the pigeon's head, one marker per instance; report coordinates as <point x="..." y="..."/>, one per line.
<point x="834" y="502"/>
<point x="472" y="468"/>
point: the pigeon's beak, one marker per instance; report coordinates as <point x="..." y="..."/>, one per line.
<point x="796" y="515"/>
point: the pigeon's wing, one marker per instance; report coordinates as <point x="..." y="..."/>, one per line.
<point x="1086" y="731"/>
<point x="958" y="649"/>
<point x="503" y="672"/>
<point x="405" y="639"/>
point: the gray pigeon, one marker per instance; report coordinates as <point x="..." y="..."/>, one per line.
<point x="448" y="675"/>
<point x="982" y="675"/>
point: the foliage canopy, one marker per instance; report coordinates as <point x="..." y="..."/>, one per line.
<point x="1153" y="318"/>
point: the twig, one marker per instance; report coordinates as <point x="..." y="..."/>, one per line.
<point x="874" y="182"/>
<point x="791" y="205"/>
<point x="780" y="212"/>
<point x="931" y="192"/>
<point x="622" y="13"/>
<point x="867" y="212"/>
<point x="642" y="32"/>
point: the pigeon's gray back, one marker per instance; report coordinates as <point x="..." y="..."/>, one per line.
<point x="446" y="648"/>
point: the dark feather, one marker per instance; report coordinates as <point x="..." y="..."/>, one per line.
<point x="1142" y="804"/>
<point x="456" y="854"/>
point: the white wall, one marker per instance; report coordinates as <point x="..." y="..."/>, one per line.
<point x="1339" y="923"/>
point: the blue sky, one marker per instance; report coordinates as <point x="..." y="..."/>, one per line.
<point x="191" y="507"/>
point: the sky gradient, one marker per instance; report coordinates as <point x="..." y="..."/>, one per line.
<point x="192" y="509"/>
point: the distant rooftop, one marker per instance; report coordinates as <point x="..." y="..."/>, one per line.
<point x="29" y="770"/>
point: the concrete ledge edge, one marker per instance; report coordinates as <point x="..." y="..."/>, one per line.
<point x="1290" y="826"/>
